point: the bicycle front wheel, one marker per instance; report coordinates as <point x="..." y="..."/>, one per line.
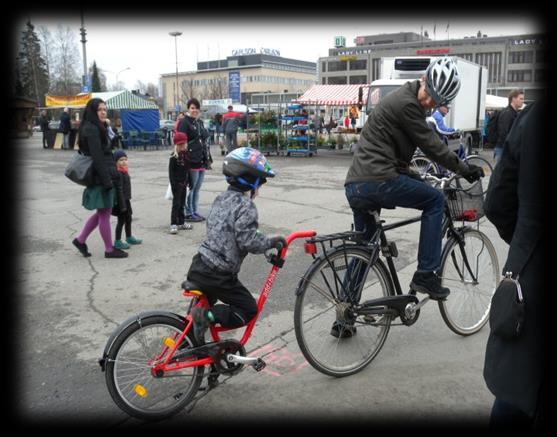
<point x="333" y="340"/>
<point x="423" y="165"/>
<point x="477" y="187"/>
<point x="466" y="310"/>
<point x="130" y="381"/>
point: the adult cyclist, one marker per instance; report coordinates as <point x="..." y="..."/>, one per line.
<point x="379" y="176"/>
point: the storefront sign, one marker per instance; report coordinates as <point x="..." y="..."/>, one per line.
<point x="526" y="41"/>
<point x="78" y="100"/>
<point x="433" y="51"/>
<point x="234" y="86"/>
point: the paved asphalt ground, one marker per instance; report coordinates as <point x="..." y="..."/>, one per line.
<point x="68" y="305"/>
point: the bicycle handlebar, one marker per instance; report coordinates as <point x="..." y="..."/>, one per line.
<point x="278" y="259"/>
<point x="442" y="181"/>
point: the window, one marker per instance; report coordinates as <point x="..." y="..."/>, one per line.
<point x="323" y="67"/>
<point x="337" y="80"/>
<point x="337" y="65"/>
<point x="467" y="56"/>
<point x="492" y="61"/>
<point x="376" y="64"/>
<point x="521" y="57"/>
<point x="519" y="75"/>
<point x="360" y="64"/>
<point x="540" y="56"/>
<point x="357" y="79"/>
<point x="540" y="76"/>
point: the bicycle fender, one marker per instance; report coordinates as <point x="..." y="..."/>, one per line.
<point x="138" y="318"/>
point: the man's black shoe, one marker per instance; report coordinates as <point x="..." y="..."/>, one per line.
<point x="342" y="330"/>
<point x="116" y="253"/>
<point x="430" y="283"/>
<point x="82" y="247"/>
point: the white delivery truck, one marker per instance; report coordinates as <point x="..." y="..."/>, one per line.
<point x="467" y="110"/>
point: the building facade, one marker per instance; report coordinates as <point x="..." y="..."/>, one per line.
<point x="238" y="77"/>
<point x="517" y="61"/>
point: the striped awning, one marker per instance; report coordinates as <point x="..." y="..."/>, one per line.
<point x="125" y="100"/>
<point x="333" y="95"/>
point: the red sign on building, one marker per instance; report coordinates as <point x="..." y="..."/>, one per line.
<point x="433" y="51"/>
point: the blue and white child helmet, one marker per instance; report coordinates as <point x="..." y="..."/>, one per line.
<point x="246" y="168"/>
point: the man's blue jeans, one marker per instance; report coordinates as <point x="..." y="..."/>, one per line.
<point x="409" y="193"/>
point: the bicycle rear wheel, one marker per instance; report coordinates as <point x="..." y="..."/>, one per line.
<point x="128" y="370"/>
<point x="466" y="310"/>
<point x="477" y="187"/>
<point x="332" y="339"/>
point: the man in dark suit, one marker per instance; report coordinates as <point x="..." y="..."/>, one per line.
<point x="506" y="120"/>
<point x="514" y="370"/>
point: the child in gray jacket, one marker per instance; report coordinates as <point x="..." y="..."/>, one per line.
<point x="232" y="233"/>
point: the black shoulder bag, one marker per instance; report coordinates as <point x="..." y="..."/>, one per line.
<point x="506" y="317"/>
<point x="80" y="169"/>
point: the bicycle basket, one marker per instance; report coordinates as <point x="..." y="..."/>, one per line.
<point x="466" y="205"/>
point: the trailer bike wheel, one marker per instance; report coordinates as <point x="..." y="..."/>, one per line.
<point x="132" y="384"/>
<point x="332" y="339"/>
<point x="466" y="309"/>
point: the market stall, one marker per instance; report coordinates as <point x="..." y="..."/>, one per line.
<point x="339" y="101"/>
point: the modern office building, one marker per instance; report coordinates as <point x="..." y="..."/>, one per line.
<point x="238" y="77"/>
<point x="517" y="61"/>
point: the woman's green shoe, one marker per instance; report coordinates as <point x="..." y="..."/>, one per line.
<point x="133" y="240"/>
<point x="119" y="244"/>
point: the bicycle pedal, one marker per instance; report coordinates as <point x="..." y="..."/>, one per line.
<point x="259" y="365"/>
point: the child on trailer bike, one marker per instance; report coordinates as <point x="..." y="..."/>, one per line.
<point x="379" y="176"/>
<point x="232" y="233"/>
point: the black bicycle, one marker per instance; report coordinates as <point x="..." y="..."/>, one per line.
<point x="349" y="298"/>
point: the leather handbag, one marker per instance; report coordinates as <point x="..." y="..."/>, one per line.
<point x="506" y="317"/>
<point x="80" y="169"/>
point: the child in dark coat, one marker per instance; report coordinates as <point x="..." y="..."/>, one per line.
<point x="178" y="176"/>
<point x="123" y="207"/>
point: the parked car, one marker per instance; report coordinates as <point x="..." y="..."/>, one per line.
<point x="167" y="124"/>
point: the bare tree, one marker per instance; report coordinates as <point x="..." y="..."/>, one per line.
<point x="187" y="91"/>
<point x="217" y="88"/>
<point x="67" y="61"/>
<point x="46" y="46"/>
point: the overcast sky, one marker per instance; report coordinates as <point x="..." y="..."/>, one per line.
<point x="145" y="46"/>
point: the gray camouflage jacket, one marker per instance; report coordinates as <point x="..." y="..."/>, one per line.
<point x="232" y="232"/>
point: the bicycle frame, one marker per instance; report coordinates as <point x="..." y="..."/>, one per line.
<point x="380" y="243"/>
<point x="173" y="344"/>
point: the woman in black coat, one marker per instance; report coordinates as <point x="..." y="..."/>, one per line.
<point x="514" y="369"/>
<point x="198" y="156"/>
<point x="93" y="141"/>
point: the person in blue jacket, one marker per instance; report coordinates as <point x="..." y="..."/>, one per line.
<point x="440" y="127"/>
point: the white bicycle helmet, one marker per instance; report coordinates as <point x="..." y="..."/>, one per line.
<point x="442" y="80"/>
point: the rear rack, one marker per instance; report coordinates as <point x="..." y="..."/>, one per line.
<point x="354" y="236"/>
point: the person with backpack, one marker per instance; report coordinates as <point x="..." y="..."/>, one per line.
<point x="504" y="122"/>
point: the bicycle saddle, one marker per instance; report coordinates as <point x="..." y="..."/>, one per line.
<point x="189" y="285"/>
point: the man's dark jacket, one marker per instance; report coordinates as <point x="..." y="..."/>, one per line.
<point x="504" y="123"/>
<point x="393" y="131"/>
<point x="513" y="369"/>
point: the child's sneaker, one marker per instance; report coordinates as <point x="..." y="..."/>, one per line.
<point x="201" y="320"/>
<point x="119" y="244"/>
<point x="133" y="240"/>
<point x="173" y="229"/>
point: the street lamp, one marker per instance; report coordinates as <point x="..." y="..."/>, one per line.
<point x="175" y="34"/>
<point x="127" y="68"/>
